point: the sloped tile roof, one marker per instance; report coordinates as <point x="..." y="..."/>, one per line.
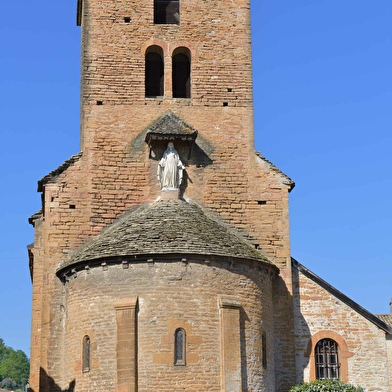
<point x="166" y="227"/>
<point x="170" y="126"/>
<point x="386" y="318"/>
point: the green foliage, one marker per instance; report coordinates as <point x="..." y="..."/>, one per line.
<point x="14" y="367"/>
<point x="8" y="383"/>
<point x="326" y="386"/>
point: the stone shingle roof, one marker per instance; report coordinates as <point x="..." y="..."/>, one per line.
<point x="166" y="227"/>
<point x="169" y="126"/>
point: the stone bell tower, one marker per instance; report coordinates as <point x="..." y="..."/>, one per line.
<point x="143" y="284"/>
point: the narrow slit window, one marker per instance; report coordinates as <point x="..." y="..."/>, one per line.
<point x="179" y="347"/>
<point x="327" y="359"/>
<point x="86" y="354"/>
<point x="264" y="350"/>
<point x="181" y="80"/>
<point x="154" y="72"/>
<point x="166" y="12"/>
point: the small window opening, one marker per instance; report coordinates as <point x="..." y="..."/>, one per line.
<point x="229" y="90"/>
<point x="264" y="350"/>
<point x="179" y="347"/>
<point x="154" y="72"/>
<point x="166" y="11"/>
<point x="86" y="354"/>
<point x="181" y="77"/>
<point x="225" y="104"/>
<point x="127" y="19"/>
<point x="257" y="246"/>
<point x="327" y="359"/>
<point x="99" y="103"/>
<point x="72" y="206"/>
<point x="261" y="202"/>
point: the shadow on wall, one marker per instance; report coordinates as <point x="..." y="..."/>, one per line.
<point x="47" y="384"/>
<point x="290" y="360"/>
<point x="301" y="330"/>
<point x="244" y="364"/>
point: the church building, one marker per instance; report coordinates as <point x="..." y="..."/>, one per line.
<point x="161" y="257"/>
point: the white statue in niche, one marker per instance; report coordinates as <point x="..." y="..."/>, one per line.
<point x="170" y="168"/>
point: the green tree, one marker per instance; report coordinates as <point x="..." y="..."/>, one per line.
<point x="326" y="386"/>
<point x="14" y="366"/>
<point x="4" y="350"/>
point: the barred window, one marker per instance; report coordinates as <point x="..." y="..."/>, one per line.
<point x="179" y="347"/>
<point x="327" y="359"/>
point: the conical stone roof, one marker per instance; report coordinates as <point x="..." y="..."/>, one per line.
<point x="166" y="227"/>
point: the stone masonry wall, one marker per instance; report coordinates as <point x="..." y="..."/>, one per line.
<point x="115" y="172"/>
<point x="317" y="310"/>
<point x="170" y="295"/>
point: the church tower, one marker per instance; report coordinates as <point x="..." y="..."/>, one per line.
<point x="161" y="259"/>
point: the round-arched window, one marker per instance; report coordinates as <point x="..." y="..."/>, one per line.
<point x="327" y="359"/>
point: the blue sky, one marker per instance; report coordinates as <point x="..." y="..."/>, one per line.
<point x="322" y="94"/>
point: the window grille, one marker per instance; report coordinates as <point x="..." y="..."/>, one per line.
<point x="327" y="359"/>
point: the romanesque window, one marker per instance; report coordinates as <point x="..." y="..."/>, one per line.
<point x="154" y="72"/>
<point x="86" y="354"/>
<point x="166" y="11"/>
<point x="327" y="359"/>
<point x="181" y="64"/>
<point x="179" y="347"/>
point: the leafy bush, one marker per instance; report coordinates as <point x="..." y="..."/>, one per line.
<point x="326" y="386"/>
<point x="8" y="383"/>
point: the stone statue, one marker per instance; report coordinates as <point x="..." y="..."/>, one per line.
<point x="170" y="168"/>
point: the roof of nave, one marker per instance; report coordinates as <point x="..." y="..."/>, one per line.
<point x="166" y="227"/>
<point x="379" y="320"/>
<point x="386" y="318"/>
<point x="285" y="179"/>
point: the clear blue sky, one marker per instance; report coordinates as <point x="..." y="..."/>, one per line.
<point x="323" y="98"/>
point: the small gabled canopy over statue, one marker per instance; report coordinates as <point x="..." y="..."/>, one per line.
<point x="170" y="169"/>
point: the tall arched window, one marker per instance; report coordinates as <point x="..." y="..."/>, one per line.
<point x="166" y="11"/>
<point x="179" y="347"/>
<point x="86" y="354"/>
<point x="154" y="72"/>
<point x="327" y="359"/>
<point x="181" y="63"/>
